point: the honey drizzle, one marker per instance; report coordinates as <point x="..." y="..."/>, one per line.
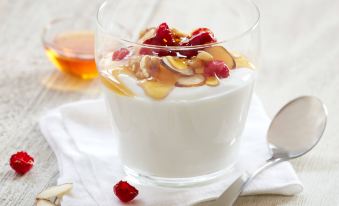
<point x="113" y="82"/>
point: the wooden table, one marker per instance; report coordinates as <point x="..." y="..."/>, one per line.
<point x="301" y="56"/>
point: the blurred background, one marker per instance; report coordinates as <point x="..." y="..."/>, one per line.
<point x="300" y="56"/>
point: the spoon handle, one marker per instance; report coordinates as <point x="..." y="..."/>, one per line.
<point x="269" y="163"/>
<point x="245" y="179"/>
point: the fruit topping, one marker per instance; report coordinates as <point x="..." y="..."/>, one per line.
<point x="120" y="54"/>
<point x="200" y="38"/>
<point x="216" y="68"/>
<point x="21" y="162"/>
<point x="191" y="81"/>
<point x="170" y="58"/>
<point x="164" y="35"/>
<point x="201" y="30"/>
<point x="177" y="65"/>
<point x="124" y="191"/>
<point x="220" y="53"/>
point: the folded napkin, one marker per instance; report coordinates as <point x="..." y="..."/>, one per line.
<point x="85" y="146"/>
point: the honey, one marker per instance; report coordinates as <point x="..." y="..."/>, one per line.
<point x="73" y="53"/>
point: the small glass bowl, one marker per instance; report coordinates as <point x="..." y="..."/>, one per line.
<point x="69" y="45"/>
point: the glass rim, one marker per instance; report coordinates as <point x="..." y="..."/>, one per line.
<point x="133" y="43"/>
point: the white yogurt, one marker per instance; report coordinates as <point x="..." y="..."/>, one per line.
<point x="192" y="132"/>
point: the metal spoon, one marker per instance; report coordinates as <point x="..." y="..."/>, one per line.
<point x="295" y="130"/>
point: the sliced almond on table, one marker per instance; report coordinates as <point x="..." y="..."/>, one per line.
<point x="192" y="81"/>
<point x="220" y="53"/>
<point x="55" y="191"/>
<point x="177" y="65"/>
<point x="44" y="203"/>
<point x="57" y="201"/>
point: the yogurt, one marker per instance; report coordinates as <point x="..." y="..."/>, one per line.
<point x="193" y="132"/>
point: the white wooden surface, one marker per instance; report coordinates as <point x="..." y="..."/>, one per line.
<point x="300" y="45"/>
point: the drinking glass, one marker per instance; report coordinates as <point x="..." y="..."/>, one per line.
<point x="188" y="133"/>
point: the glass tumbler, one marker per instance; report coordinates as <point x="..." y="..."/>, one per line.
<point x="176" y="122"/>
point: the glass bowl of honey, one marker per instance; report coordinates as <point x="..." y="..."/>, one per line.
<point x="69" y="45"/>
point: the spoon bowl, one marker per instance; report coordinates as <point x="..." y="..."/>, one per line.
<point x="297" y="127"/>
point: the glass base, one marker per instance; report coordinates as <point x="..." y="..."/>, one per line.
<point x="139" y="178"/>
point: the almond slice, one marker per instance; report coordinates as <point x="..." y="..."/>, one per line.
<point x="177" y="65"/>
<point x="55" y="191"/>
<point x="192" y="81"/>
<point x="44" y="203"/>
<point x="220" y="53"/>
<point x="204" y="56"/>
<point x="157" y="90"/>
<point x="146" y="34"/>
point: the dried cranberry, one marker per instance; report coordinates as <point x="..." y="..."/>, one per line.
<point x="158" y="52"/>
<point x="120" y="54"/>
<point x="124" y="191"/>
<point x="146" y="51"/>
<point x="21" y="162"/>
<point x="165" y="36"/>
<point x="216" y="67"/>
<point x="200" y="30"/>
<point x="202" y="38"/>
<point x="198" y="37"/>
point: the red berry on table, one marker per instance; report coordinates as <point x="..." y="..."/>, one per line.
<point x="21" y="162"/>
<point x="120" y="54"/>
<point x="124" y="191"/>
<point x="216" y="67"/>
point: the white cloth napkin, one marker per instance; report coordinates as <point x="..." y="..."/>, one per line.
<point x="85" y="146"/>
